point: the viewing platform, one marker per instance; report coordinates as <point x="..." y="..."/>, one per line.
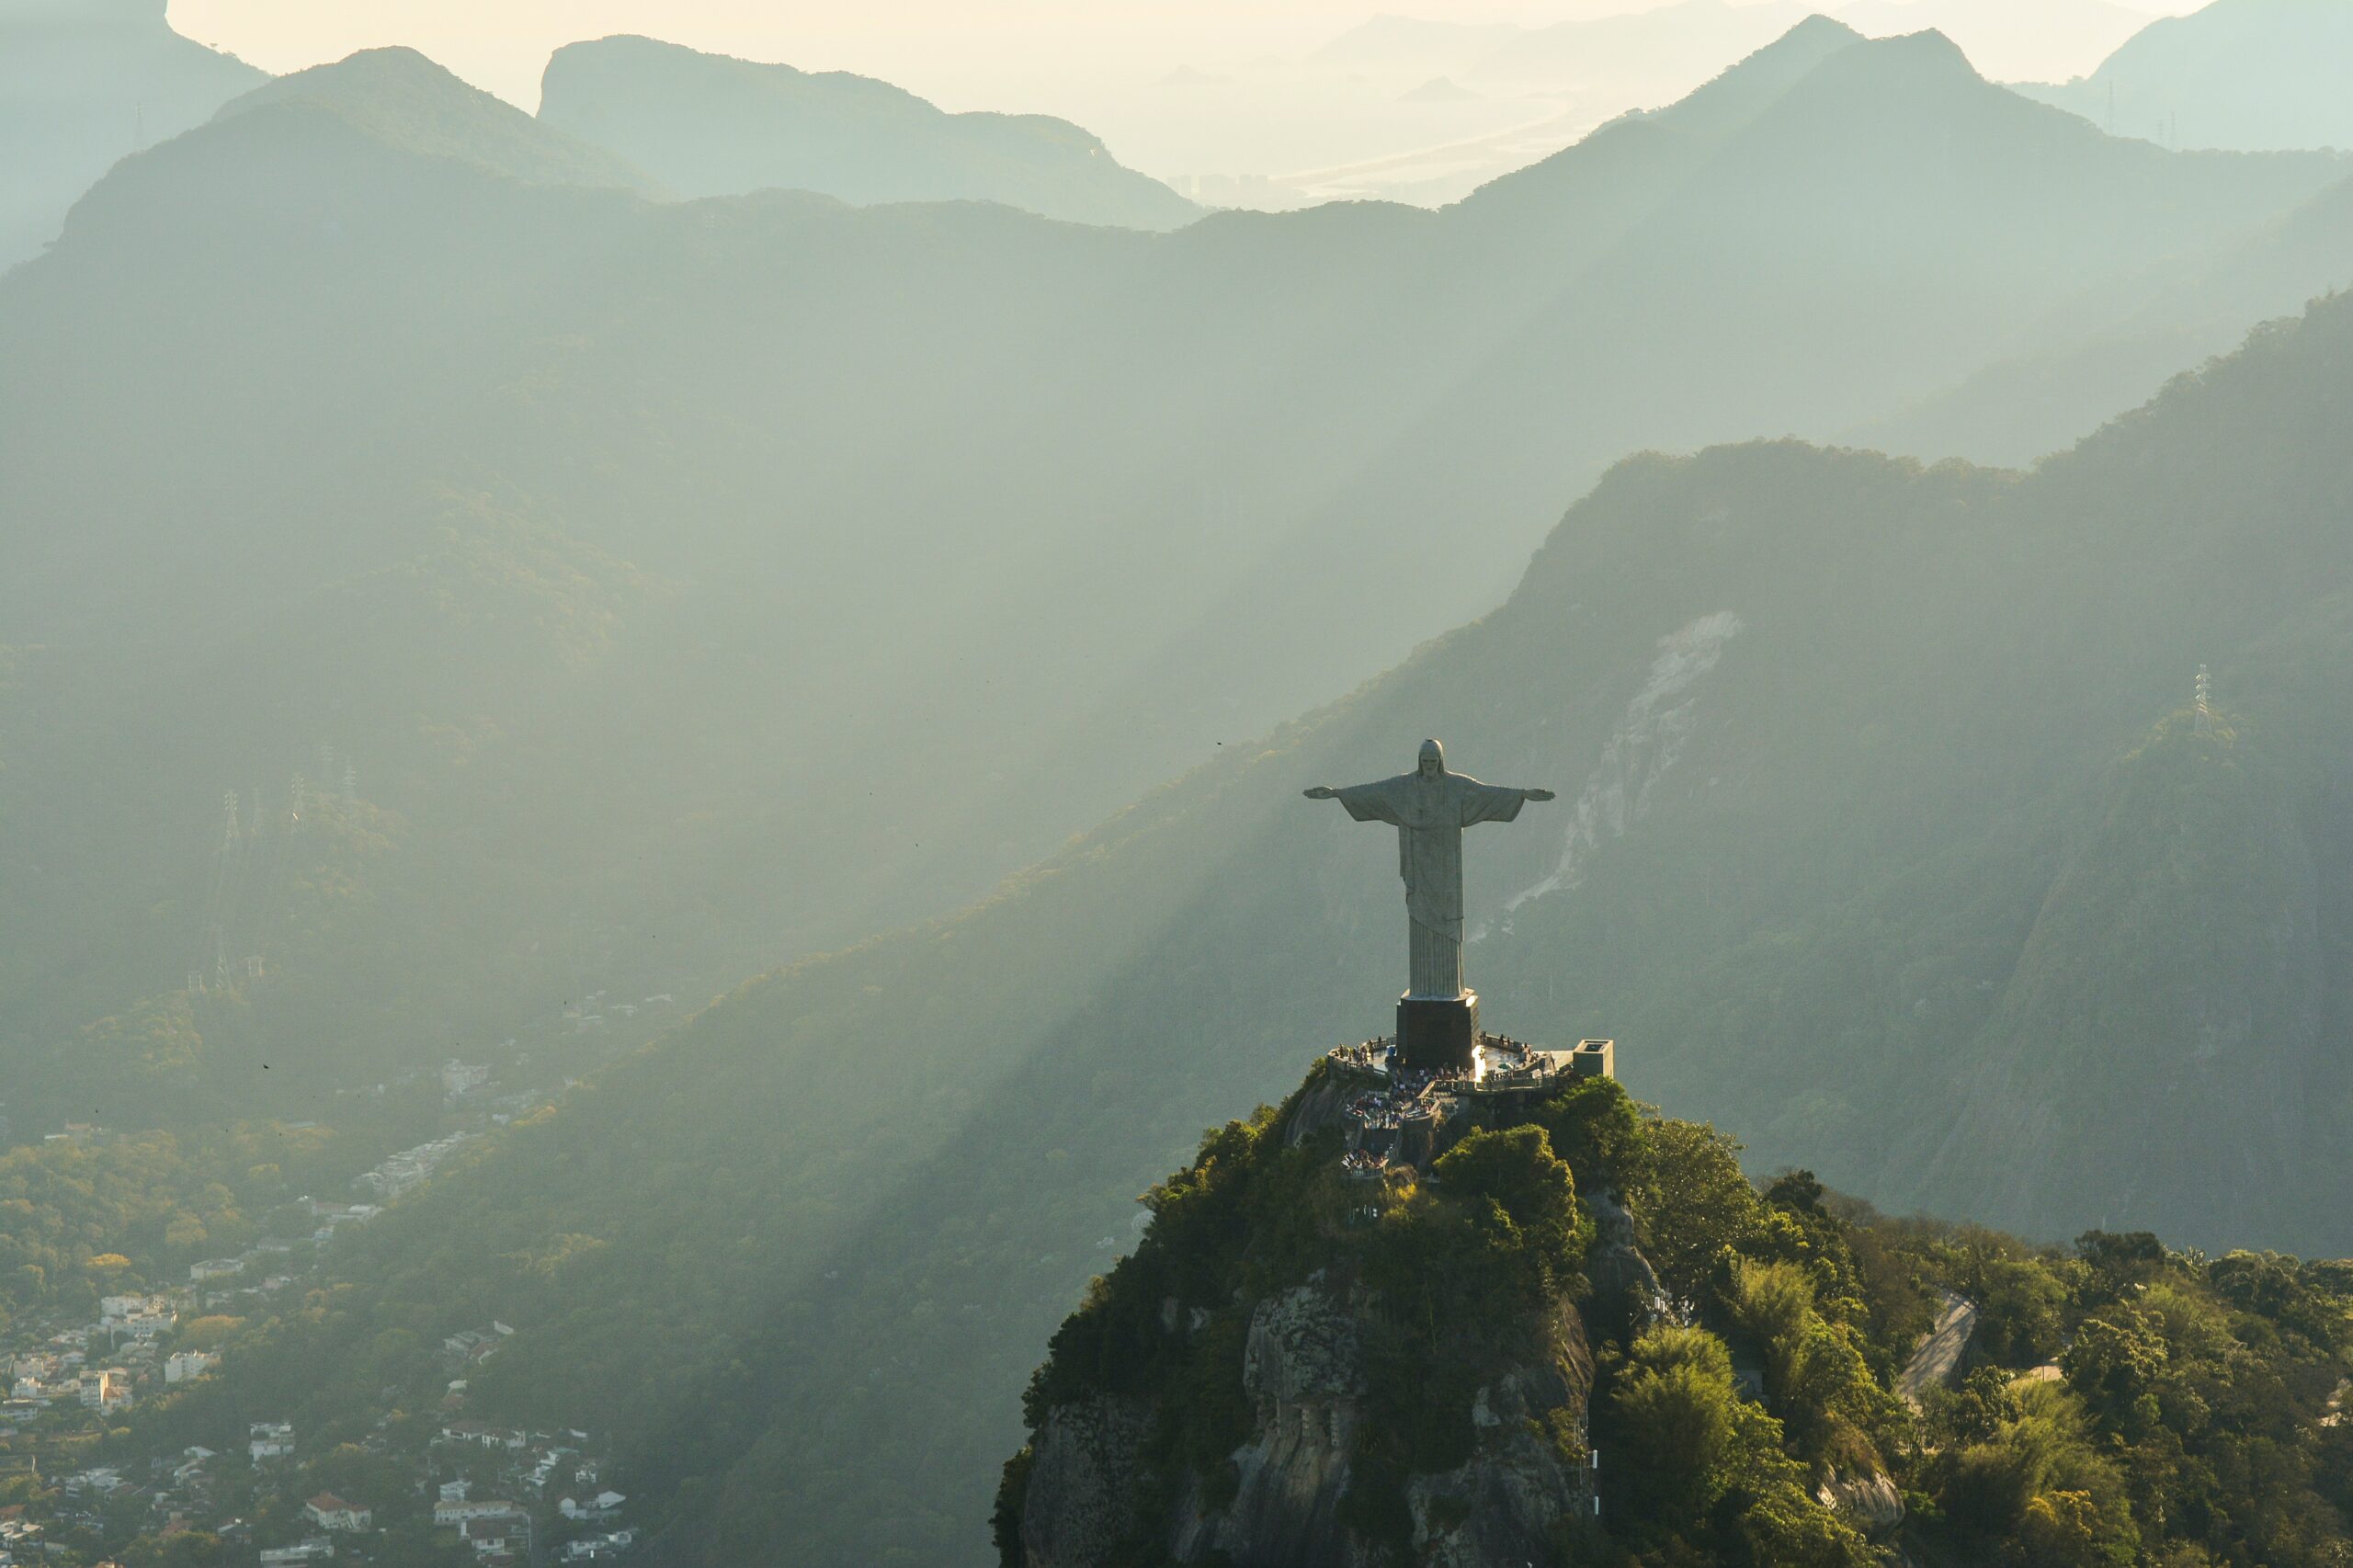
<point x="1394" y="1114"/>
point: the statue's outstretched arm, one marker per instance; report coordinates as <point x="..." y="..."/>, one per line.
<point x="1323" y="792"/>
<point x="1536" y="794"/>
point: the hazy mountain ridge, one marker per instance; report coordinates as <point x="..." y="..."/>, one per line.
<point x="1811" y="924"/>
<point x="81" y="87"/>
<point x="1145" y="447"/>
<point x="710" y="125"/>
<point x="2244" y="74"/>
<point x="398" y="98"/>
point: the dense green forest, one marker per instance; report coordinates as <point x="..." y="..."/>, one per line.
<point x="2123" y="1402"/>
<point x="97" y="1214"/>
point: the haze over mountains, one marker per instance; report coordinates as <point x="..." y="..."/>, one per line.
<point x="83" y="83"/>
<point x="710" y="126"/>
<point x="608" y="441"/>
<point x="2236" y="73"/>
<point x="462" y="564"/>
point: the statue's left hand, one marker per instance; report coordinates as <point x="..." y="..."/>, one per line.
<point x="1321" y="792"/>
<point x="1538" y="794"/>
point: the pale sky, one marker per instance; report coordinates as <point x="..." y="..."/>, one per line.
<point x="1103" y="63"/>
<point x="503" y="44"/>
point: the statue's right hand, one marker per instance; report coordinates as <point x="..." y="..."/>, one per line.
<point x="1322" y="793"/>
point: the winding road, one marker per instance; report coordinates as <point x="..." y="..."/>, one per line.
<point x="1939" y="1354"/>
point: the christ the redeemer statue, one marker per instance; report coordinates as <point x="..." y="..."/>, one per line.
<point x="1436" y="1018"/>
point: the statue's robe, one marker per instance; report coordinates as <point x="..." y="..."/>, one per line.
<point x="1430" y="816"/>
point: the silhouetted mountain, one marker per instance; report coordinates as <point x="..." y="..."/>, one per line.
<point x="83" y="83"/>
<point x="399" y="99"/>
<point x="2245" y="73"/>
<point x="707" y="125"/>
<point x="1876" y="799"/>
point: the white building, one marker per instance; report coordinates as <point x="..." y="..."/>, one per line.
<point x="602" y="1506"/>
<point x="108" y="1388"/>
<point x="330" y="1512"/>
<point x="270" y="1440"/>
<point x="182" y="1365"/>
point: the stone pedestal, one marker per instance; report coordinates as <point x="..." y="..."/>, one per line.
<point x="1437" y="1034"/>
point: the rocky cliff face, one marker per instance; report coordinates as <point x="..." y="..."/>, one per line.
<point x="1337" y="1346"/>
<point x="1328" y="1419"/>
<point x="1083" y="1468"/>
<point x="1304" y="1371"/>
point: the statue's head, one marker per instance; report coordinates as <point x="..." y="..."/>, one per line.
<point x="1433" y="760"/>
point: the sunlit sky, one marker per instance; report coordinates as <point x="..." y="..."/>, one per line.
<point x="1095" y="62"/>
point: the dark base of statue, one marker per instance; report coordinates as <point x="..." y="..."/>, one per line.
<point x="1436" y="1034"/>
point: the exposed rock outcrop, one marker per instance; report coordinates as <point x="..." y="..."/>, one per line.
<point x="1870" y="1503"/>
<point x="1508" y="1501"/>
<point x="1082" y="1479"/>
<point x="1616" y="1265"/>
<point x="1303" y="1369"/>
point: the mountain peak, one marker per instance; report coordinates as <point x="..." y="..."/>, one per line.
<point x="359" y="73"/>
<point x="401" y="98"/>
<point x="1819" y="27"/>
<point x="1747" y="87"/>
<point x="1923" y="57"/>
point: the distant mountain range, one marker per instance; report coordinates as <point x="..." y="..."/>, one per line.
<point x="707" y="125"/>
<point x="83" y="83"/>
<point x="82" y="86"/>
<point x="1651" y="56"/>
<point x="2244" y="74"/>
<point x="456" y="446"/>
<point x="400" y="101"/>
<point x="2007" y="40"/>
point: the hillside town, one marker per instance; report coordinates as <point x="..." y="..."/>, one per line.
<point x="82" y="1485"/>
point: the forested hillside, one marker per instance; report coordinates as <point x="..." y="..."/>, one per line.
<point x="562" y="516"/>
<point x="1581" y="1336"/>
<point x="1879" y="800"/>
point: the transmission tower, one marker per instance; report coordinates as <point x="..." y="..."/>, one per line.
<point x="2205" y="713"/>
